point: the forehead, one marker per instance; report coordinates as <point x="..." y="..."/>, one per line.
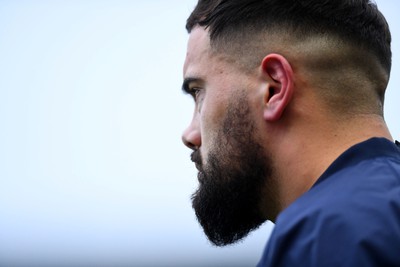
<point x="203" y="61"/>
<point x="198" y="49"/>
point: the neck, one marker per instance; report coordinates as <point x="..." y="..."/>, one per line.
<point x="303" y="155"/>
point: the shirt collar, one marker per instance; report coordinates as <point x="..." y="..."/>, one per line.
<point x="371" y="148"/>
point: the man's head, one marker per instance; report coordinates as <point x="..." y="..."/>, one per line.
<point x="259" y="71"/>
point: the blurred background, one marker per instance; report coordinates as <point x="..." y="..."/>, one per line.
<point x="92" y="168"/>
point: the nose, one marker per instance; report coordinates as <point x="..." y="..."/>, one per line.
<point x="191" y="137"/>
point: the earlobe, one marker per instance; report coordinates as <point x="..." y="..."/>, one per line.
<point x="280" y="85"/>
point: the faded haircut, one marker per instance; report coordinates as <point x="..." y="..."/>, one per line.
<point x="358" y="22"/>
<point x="350" y="38"/>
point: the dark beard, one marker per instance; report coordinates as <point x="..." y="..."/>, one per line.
<point x="228" y="200"/>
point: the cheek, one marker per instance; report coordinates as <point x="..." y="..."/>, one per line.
<point x="211" y="118"/>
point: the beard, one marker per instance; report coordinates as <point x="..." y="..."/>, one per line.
<point x="232" y="181"/>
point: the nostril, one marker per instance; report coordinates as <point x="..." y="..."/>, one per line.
<point x="192" y="139"/>
<point x="188" y="143"/>
<point x="191" y="146"/>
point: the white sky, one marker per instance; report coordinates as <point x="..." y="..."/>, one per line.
<point x="92" y="168"/>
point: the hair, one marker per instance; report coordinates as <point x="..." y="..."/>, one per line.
<point x="352" y="29"/>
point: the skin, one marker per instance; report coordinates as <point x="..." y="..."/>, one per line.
<point x="293" y="123"/>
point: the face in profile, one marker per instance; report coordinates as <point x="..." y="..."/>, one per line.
<point x="233" y="168"/>
<point x="227" y="202"/>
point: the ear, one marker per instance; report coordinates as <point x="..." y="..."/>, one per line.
<point x="279" y="75"/>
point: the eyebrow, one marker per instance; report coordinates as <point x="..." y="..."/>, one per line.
<point x="186" y="83"/>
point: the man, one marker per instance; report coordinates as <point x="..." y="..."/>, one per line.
<point x="288" y="126"/>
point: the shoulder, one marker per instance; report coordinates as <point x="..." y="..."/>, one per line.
<point x="348" y="234"/>
<point x="352" y="218"/>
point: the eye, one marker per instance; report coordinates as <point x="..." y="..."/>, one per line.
<point x="194" y="92"/>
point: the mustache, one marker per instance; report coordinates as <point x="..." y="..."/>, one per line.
<point x="196" y="157"/>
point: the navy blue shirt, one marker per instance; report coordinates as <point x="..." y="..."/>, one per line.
<point x="350" y="217"/>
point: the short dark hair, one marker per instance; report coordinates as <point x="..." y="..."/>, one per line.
<point x="358" y="22"/>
